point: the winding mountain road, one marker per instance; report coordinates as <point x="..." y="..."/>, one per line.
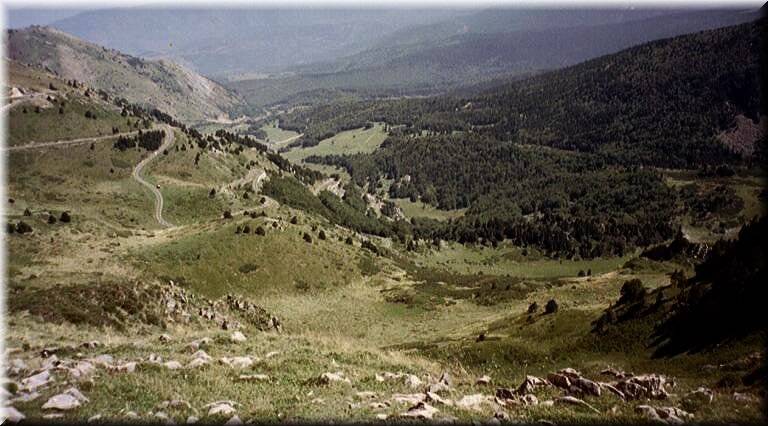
<point x="136" y="175"/>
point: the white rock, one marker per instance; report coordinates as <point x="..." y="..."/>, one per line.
<point x="201" y="354"/>
<point x="412" y="381"/>
<point x="575" y="401"/>
<point x="26" y="396"/>
<point x="409" y="398"/>
<point x="223" y="409"/>
<point x="233" y="421"/>
<point x="382" y="416"/>
<point x="271" y="354"/>
<point x="82" y="370"/>
<point x="131" y="415"/>
<point x="328" y="378"/>
<point x="197" y="344"/>
<point x="37" y="380"/>
<point x="94" y="418"/>
<point x="104" y="360"/>
<point x="50" y="362"/>
<point x="12" y="414"/>
<point x="165" y="338"/>
<point x="237" y="362"/>
<point x="192" y="420"/>
<point x="437" y="398"/>
<point x="237" y="337"/>
<point x="172" y="365"/>
<point x="473" y="402"/>
<point x="17" y="366"/>
<point x="128" y="367"/>
<point x="63" y="401"/>
<point x="154" y="359"/>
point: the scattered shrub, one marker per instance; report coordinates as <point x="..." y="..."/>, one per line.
<point x="260" y="231"/>
<point x="551" y="307"/>
<point x="307" y="238"/>
<point x="632" y="291"/>
<point x="65" y="218"/>
<point x="23" y="227"/>
<point x="533" y="307"/>
<point x="321" y="235"/>
<point x="227" y="214"/>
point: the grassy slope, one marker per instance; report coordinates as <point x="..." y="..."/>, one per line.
<point x="348" y="142"/>
<point x="335" y="300"/>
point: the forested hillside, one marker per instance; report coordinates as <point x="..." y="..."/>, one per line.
<point x="557" y="161"/>
<point x="662" y="103"/>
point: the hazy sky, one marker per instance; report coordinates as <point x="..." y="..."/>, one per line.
<point x="23" y="17"/>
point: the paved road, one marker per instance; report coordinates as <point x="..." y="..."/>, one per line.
<point x="136" y="175"/>
<point x="34" y="145"/>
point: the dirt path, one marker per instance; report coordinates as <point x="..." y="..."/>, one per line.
<point x="136" y="175"/>
<point x="34" y="145"/>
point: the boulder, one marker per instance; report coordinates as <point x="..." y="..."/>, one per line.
<point x="237" y="361"/>
<point x="643" y="386"/>
<point x="412" y="381"/>
<point x="530" y="383"/>
<point x="433" y="397"/>
<point x="68" y="400"/>
<point x="81" y="370"/>
<point x="409" y="398"/>
<point x="201" y="355"/>
<point x="570" y="373"/>
<point x="128" y="367"/>
<point x="13" y="415"/>
<point x="237" y="337"/>
<point x="700" y="397"/>
<point x="610" y="371"/>
<point x="104" y="360"/>
<point x="234" y="420"/>
<point x="668" y="415"/>
<point x="221" y="408"/>
<point x="36" y="380"/>
<point x="585" y="386"/>
<point x="200" y="343"/>
<point x="570" y="400"/>
<point x="328" y="378"/>
<point x="172" y="365"/>
<point x="560" y="380"/>
<point x="474" y="402"/>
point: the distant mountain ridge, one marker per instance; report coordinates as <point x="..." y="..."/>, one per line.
<point x="160" y="84"/>
<point x="226" y="41"/>
<point x="479" y="48"/>
<point x="525" y="46"/>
